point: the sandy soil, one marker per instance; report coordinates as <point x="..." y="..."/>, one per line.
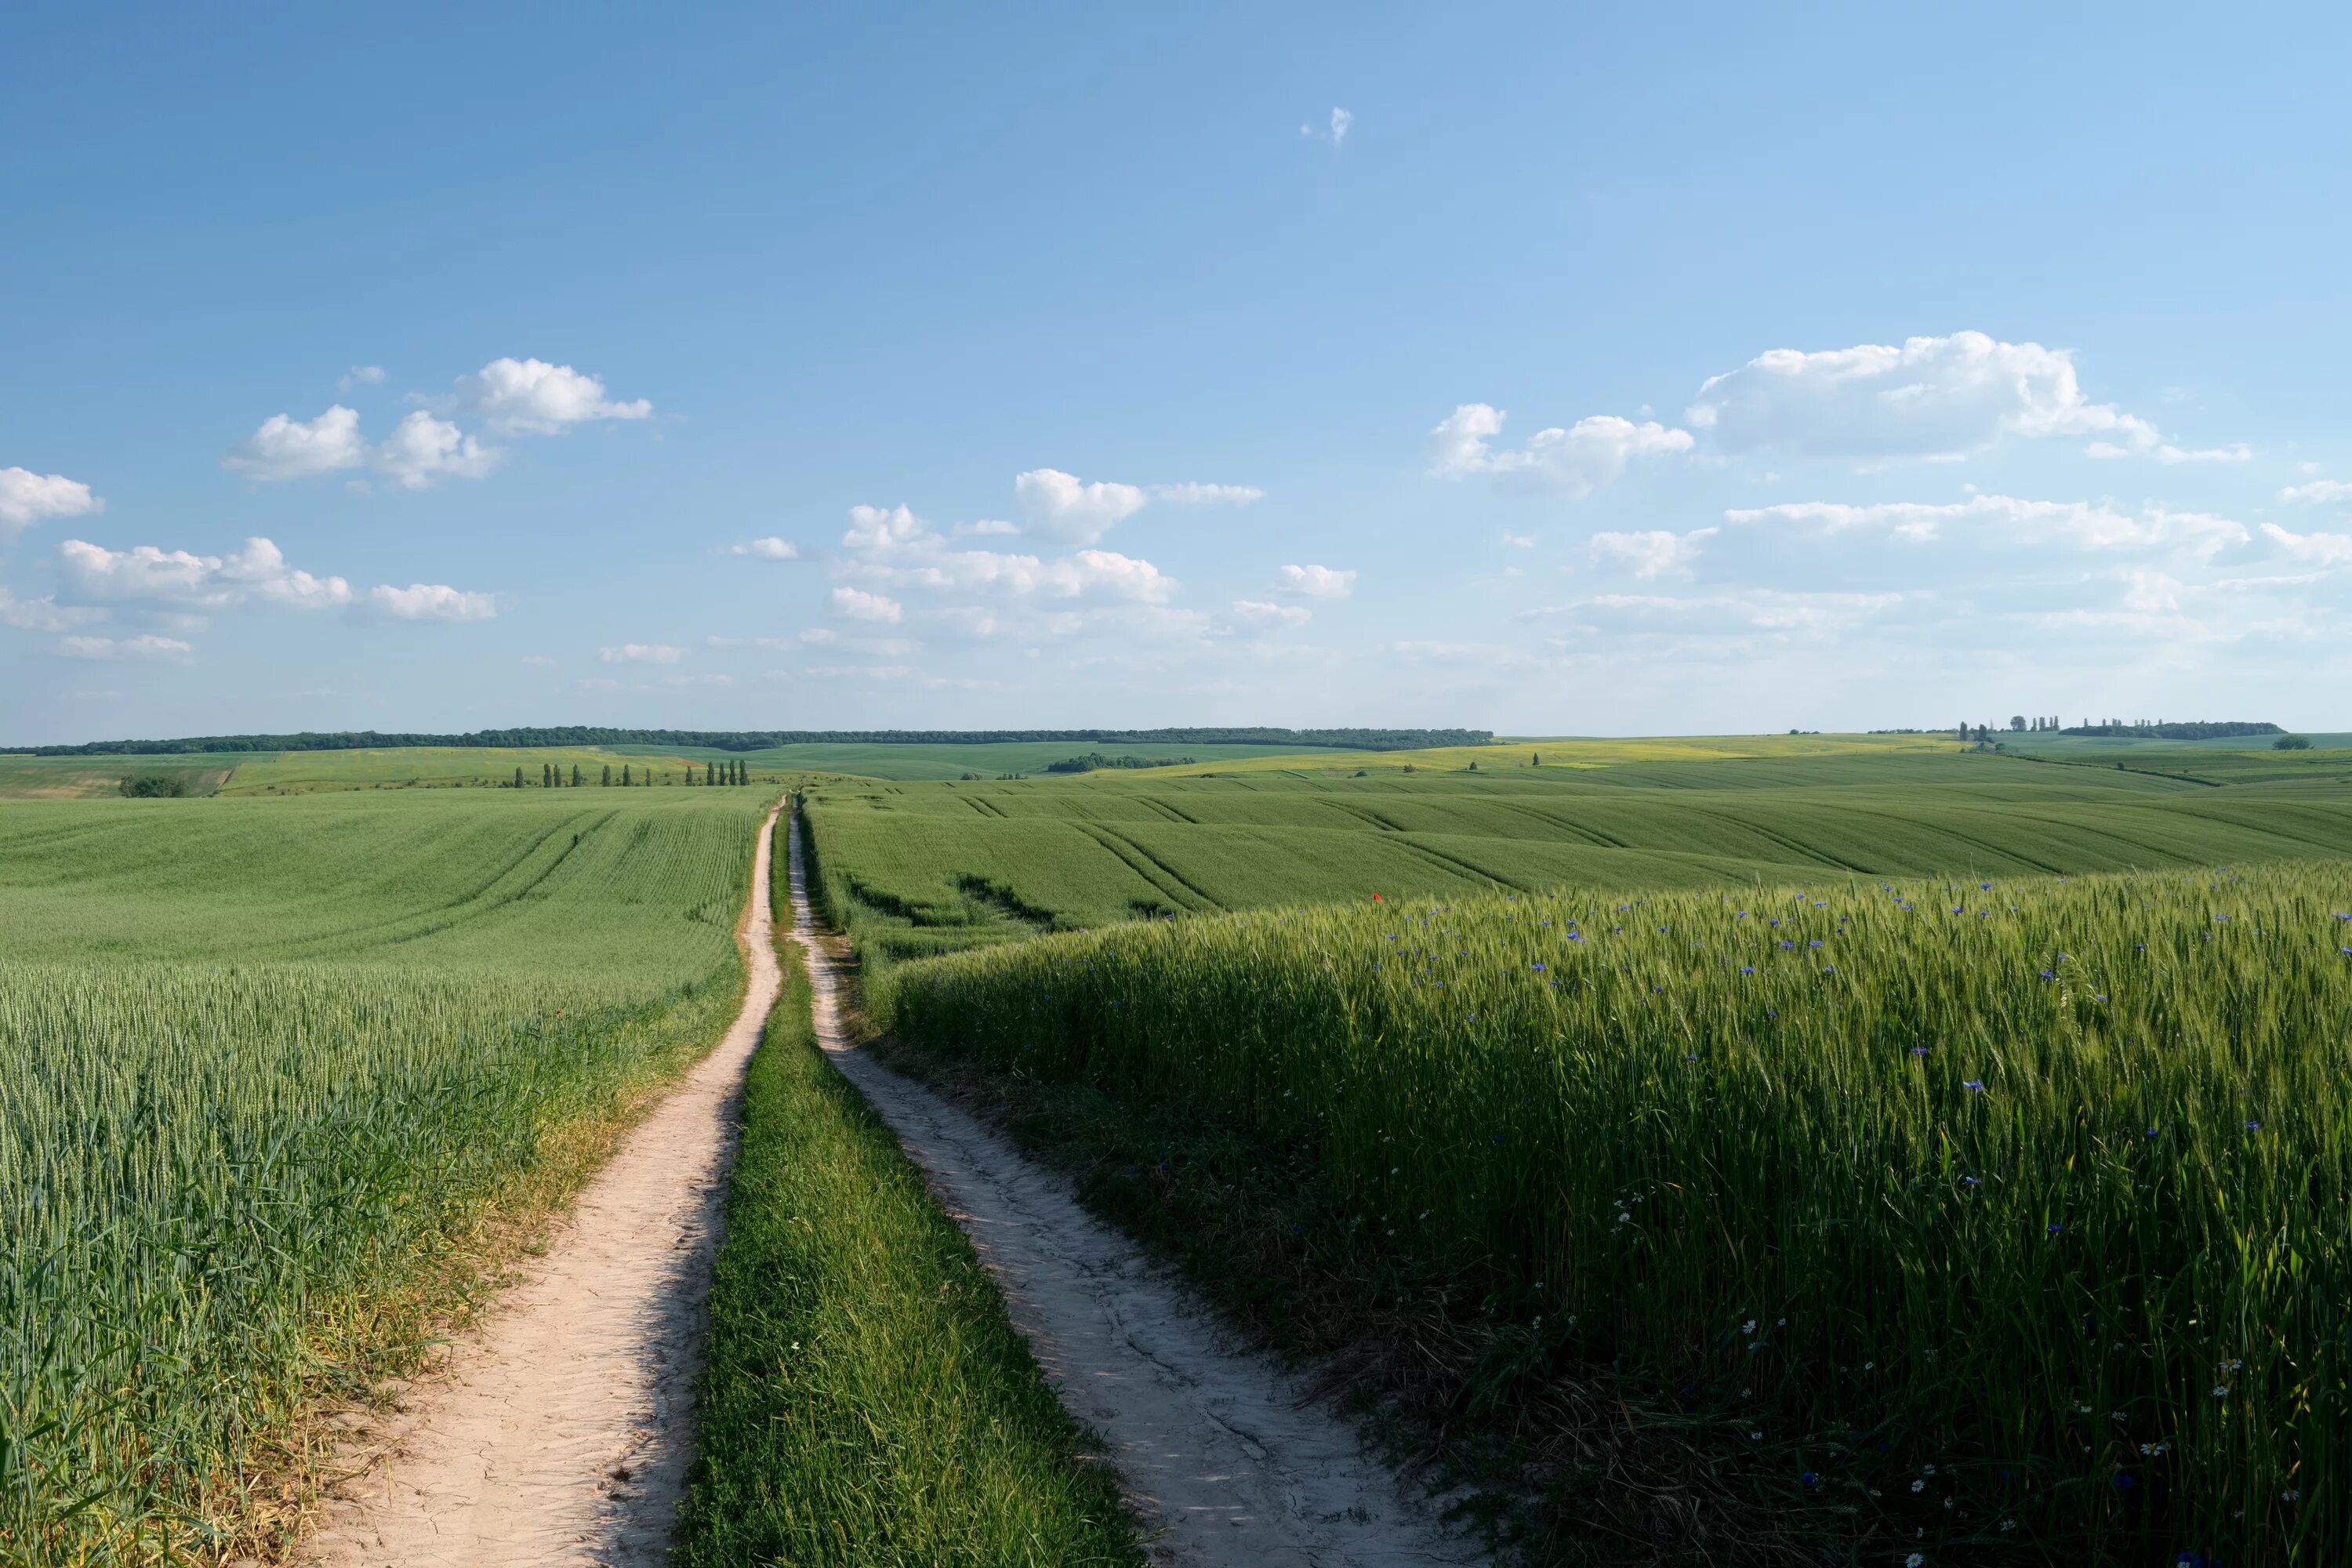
<point x="561" y="1433"/>
<point x="1228" y="1457"/>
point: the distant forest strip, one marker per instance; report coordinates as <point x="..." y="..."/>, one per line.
<point x="762" y="739"/>
<point x="2204" y="729"/>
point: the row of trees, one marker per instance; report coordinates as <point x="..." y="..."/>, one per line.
<point x="2144" y="729"/>
<point x="589" y="735"/>
<point x="733" y="771"/>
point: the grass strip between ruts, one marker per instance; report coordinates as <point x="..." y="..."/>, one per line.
<point x="865" y="1399"/>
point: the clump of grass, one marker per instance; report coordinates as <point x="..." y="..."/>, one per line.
<point x="2008" y="1219"/>
<point x="865" y="1400"/>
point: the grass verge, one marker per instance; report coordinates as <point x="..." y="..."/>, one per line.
<point x="865" y="1400"/>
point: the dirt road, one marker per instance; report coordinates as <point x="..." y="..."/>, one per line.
<point x="1219" y="1450"/>
<point x="560" y="1434"/>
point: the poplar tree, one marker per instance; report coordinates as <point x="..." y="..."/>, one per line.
<point x="518" y="775"/>
<point x="624" y="776"/>
<point x="608" y="775"/>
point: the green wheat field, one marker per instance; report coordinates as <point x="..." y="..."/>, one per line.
<point x="1949" y="1147"/>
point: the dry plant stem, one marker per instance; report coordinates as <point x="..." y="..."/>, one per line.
<point x="1232" y="1461"/>
<point x="561" y="1433"/>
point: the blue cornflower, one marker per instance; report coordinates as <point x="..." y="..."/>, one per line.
<point x="2055" y="1227"/>
<point x="1746" y="969"/>
<point x="1816" y="942"/>
<point x="1536" y="967"/>
<point x="1971" y="1181"/>
<point x="1808" y="1479"/>
<point x="2048" y="976"/>
<point x="1973" y="1085"/>
<point x="1919" y="1050"/>
<point x="2254" y="1127"/>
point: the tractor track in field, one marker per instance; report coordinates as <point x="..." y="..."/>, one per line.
<point x="559" y="1431"/>
<point x="1231" y="1461"/>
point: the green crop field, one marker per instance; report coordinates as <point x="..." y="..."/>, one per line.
<point x="1972" y="1207"/>
<point x="915" y="868"/>
<point x="81" y="778"/>
<point x="1811" y="1215"/>
<point x="264" y="1064"/>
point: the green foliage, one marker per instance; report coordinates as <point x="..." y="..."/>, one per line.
<point x="155" y="786"/>
<point x="863" y="1400"/>
<point x="262" y="1065"/>
<point x="1094" y="761"/>
<point x="2292" y="743"/>
<point x="2040" y="1185"/>
<point x="2196" y="730"/>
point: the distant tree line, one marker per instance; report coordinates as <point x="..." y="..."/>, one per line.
<point x="2134" y="728"/>
<point x="2172" y="728"/>
<point x="580" y="735"/>
<point x="1093" y="759"/>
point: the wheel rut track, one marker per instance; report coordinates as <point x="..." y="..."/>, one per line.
<point x="1229" y="1460"/>
<point x="559" y="1431"/>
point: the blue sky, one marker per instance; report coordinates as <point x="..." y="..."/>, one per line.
<point x="1546" y="370"/>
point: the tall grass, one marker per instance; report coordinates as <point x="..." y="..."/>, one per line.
<point x="2014" y="1216"/>
<point x="261" y="1074"/>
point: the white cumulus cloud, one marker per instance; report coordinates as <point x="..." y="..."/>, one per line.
<point x="859" y="606"/>
<point x="422" y="449"/>
<point x="1063" y="507"/>
<point x="43" y="615"/>
<point x="430" y="602"/>
<point x="26" y="498"/>
<point x="530" y="396"/>
<point x="147" y="647"/>
<point x="1193" y="494"/>
<point x="768" y="549"/>
<point x="1937" y="397"/>
<point x="1261" y="611"/>
<point x="2086" y="525"/>
<point x="878" y="529"/>
<point x="1576" y="462"/>
<point x="1337" y="134"/>
<point x="2317" y="491"/>
<point x="360" y="376"/>
<point x="1650" y="553"/>
<point x="285" y="448"/>
<point x="1317" y="582"/>
<point x="94" y="574"/>
<point x="641" y="653"/>
<point x="2323" y="548"/>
